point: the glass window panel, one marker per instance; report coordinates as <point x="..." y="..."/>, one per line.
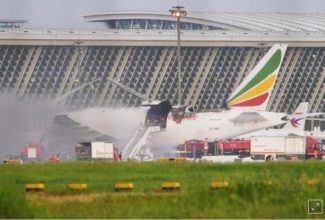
<point x="154" y="24"/>
<point x="125" y="24"/>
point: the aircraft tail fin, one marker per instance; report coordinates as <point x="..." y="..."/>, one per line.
<point x="254" y="92"/>
<point x="297" y="122"/>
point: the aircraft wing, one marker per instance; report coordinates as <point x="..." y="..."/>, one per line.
<point x="246" y="117"/>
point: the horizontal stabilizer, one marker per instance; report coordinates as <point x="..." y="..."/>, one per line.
<point x="246" y="117"/>
<point x="306" y="115"/>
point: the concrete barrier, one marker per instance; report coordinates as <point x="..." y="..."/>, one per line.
<point x="78" y="186"/>
<point x="170" y="186"/>
<point x="124" y="187"/>
<point x="37" y="187"/>
<point x="219" y="184"/>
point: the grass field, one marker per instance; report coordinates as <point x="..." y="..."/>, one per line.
<point x="247" y="196"/>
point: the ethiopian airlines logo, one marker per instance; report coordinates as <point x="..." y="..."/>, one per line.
<point x="257" y="90"/>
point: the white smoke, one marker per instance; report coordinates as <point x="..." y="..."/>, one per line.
<point x="23" y="122"/>
<point x="120" y="123"/>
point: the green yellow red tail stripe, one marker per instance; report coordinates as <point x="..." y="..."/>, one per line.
<point x="262" y="88"/>
<point x="256" y="88"/>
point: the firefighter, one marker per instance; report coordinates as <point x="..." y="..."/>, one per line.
<point x="120" y="156"/>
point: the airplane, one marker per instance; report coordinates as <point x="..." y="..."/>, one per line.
<point x="245" y="112"/>
<point x="294" y="126"/>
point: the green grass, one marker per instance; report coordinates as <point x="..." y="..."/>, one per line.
<point x="246" y="197"/>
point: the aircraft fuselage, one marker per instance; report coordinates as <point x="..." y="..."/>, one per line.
<point x="211" y="126"/>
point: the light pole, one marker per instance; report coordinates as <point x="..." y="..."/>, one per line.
<point x="178" y="12"/>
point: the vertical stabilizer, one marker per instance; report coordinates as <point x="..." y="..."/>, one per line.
<point x="297" y="123"/>
<point x="255" y="91"/>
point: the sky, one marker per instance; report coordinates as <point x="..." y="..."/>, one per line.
<point x="67" y="13"/>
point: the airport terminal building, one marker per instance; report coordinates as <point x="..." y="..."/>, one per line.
<point x="134" y="56"/>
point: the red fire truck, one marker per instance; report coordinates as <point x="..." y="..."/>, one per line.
<point x="199" y="148"/>
<point x="314" y="147"/>
<point x="233" y="147"/>
<point x="31" y="151"/>
<point x="193" y="148"/>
